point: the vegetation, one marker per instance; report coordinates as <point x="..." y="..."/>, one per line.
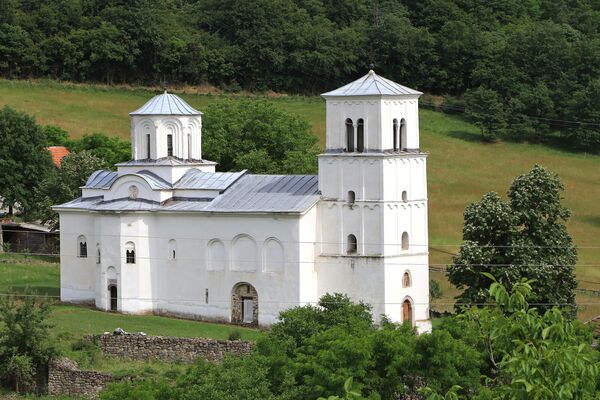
<point x="525" y="237"/>
<point x="535" y="65"/>
<point x="258" y="136"/>
<point x="25" y="346"/>
<point x="507" y="350"/>
<point x="24" y="161"/>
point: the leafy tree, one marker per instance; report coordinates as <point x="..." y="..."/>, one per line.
<point x="56" y="136"/>
<point x="484" y="107"/>
<point x="524" y="237"/>
<point x="435" y="290"/>
<point x="110" y="149"/>
<point x="25" y="347"/>
<point x="64" y="183"/>
<point x="24" y="159"/>
<point x="258" y="136"/>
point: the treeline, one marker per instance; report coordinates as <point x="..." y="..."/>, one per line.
<point x="530" y="69"/>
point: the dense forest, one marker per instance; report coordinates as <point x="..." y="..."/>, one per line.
<point x="524" y="70"/>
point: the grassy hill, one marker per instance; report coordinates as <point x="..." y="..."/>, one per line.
<point x="460" y="168"/>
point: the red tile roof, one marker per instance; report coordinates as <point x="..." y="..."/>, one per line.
<point x="58" y="153"/>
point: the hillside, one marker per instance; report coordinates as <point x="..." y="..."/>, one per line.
<point x="461" y="168"/>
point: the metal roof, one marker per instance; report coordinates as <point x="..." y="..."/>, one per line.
<point x="196" y="179"/>
<point x="268" y="193"/>
<point x="164" y="161"/>
<point x="166" y="104"/>
<point x="101" y="179"/>
<point x="246" y="194"/>
<point x="372" y="85"/>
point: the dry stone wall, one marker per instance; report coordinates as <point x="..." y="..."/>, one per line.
<point x="65" y="378"/>
<point x="168" y="349"/>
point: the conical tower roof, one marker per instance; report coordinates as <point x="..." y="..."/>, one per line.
<point x="372" y="85"/>
<point x="166" y="104"/>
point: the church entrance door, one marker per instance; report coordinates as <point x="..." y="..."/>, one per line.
<point x="113" y="297"/>
<point x="244" y="304"/>
<point x="406" y="311"/>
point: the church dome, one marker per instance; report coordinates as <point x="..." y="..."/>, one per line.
<point x="166" y="104"/>
<point x="372" y="85"/>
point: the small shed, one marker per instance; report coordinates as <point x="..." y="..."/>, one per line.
<point x="29" y="237"/>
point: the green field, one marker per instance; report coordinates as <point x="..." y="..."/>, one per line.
<point x="461" y="168"/>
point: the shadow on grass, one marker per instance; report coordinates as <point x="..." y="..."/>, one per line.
<point x="50" y="291"/>
<point x="467" y="136"/>
<point x="593" y="220"/>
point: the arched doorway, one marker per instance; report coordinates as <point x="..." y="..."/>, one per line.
<point x="113" y="295"/>
<point x="407" y="311"/>
<point x="244" y="304"/>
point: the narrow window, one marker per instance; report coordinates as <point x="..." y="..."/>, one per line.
<point x="404" y="196"/>
<point x="206" y="295"/>
<point x="349" y="136"/>
<point x="351" y="197"/>
<point x="351" y="244"/>
<point x="360" y="136"/>
<point x="81" y="247"/>
<point x="395" y="134"/>
<point x="98" y="258"/>
<point x="403" y="134"/>
<point x="405" y="241"/>
<point x="172" y="249"/>
<point x="189" y="146"/>
<point x="406" y="279"/>
<point x="148" y="146"/>
<point x="169" y="145"/>
<point x="129" y="253"/>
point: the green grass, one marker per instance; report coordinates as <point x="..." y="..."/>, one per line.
<point x="460" y="168"/>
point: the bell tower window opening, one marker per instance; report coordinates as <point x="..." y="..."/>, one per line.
<point x="170" y="145"/>
<point x="395" y="133"/>
<point x="406" y="280"/>
<point x="405" y="241"/>
<point x="189" y="143"/>
<point x="349" y="136"/>
<point x="404" y="196"/>
<point x="360" y="136"/>
<point x="352" y="245"/>
<point x="403" y="144"/>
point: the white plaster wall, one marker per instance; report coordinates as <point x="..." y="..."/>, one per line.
<point x="77" y="275"/>
<point x="186" y="131"/>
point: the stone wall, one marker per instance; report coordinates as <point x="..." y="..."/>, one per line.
<point x="168" y="349"/>
<point x="65" y="378"/>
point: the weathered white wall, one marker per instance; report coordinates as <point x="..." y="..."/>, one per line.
<point x="186" y="131"/>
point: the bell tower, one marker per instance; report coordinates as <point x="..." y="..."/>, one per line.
<point x="372" y="177"/>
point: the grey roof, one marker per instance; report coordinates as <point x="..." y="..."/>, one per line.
<point x="372" y="85"/>
<point x="166" y="104"/>
<point x="101" y="179"/>
<point x="268" y="193"/>
<point x="104" y="179"/>
<point x="196" y="179"/>
<point x="247" y="194"/>
<point x="163" y="161"/>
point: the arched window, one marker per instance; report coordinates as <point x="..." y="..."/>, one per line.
<point x="81" y="247"/>
<point x="148" y="146"/>
<point x="360" y="136"/>
<point x="406" y="279"/>
<point x="349" y="136"/>
<point x="130" y="253"/>
<point x="407" y="311"/>
<point x="189" y="146"/>
<point x="351" y="249"/>
<point x="351" y="197"/>
<point x="98" y="255"/>
<point x="404" y="240"/>
<point x="404" y="195"/>
<point x="402" y="134"/>
<point x="395" y="134"/>
<point x="169" y="145"/>
<point x="172" y="249"/>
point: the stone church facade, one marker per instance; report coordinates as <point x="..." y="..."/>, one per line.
<point x="166" y="233"/>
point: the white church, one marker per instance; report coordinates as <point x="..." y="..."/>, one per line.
<point x="166" y="234"/>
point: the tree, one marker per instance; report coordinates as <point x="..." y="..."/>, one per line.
<point x="112" y="150"/>
<point x="24" y="159"/>
<point x="257" y="135"/>
<point x="524" y="237"/>
<point x="25" y="346"/>
<point x="63" y="184"/>
<point x="533" y="355"/>
<point x="484" y="107"/>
